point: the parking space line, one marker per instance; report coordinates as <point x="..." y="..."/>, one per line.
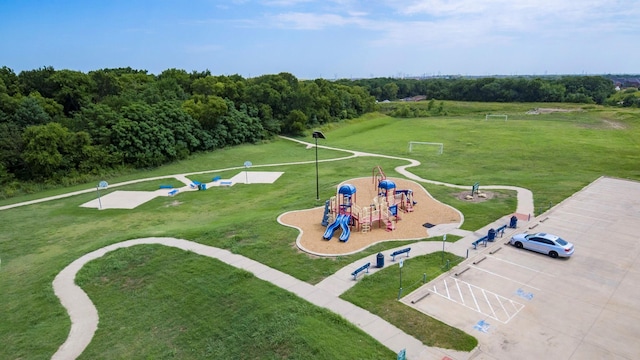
<point x="461" y="296"/>
<point x="473" y="296"/>
<point x="502" y="305"/>
<point x="447" y="288"/>
<point x="484" y="292"/>
<point x="478" y="300"/>
<point x="504" y="277"/>
<point x="522" y="266"/>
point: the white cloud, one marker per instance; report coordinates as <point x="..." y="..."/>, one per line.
<point x="313" y="21"/>
<point x="285" y="3"/>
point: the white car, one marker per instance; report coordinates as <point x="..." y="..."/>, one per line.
<point x="544" y="243"/>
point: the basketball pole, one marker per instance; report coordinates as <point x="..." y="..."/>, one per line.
<point x="99" y="201"/>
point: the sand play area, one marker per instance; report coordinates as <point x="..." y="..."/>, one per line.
<point x="410" y="226"/>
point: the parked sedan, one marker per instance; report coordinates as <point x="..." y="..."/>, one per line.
<point x="549" y="244"/>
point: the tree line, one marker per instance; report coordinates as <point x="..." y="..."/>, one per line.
<point x="574" y="89"/>
<point x="69" y="126"/>
<point x="65" y="126"/>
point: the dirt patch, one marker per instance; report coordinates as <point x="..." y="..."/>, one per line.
<point x="537" y="111"/>
<point x="614" y="124"/>
<point x="410" y="226"/>
<point x="173" y="203"/>
<point x="480" y="197"/>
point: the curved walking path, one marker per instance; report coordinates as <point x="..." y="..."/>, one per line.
<point x="84" y="315"/>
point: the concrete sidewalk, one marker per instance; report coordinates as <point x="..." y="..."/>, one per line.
<point x="84" y="315"/>
<point x="342" y="280"/>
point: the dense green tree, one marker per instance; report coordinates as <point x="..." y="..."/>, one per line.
<point x="390" y="91"/>
<point x="207" y="110"/>
<point x="238" y="126"/>
<point x="11" y="147"/>
<point x="163" y="90"/>
<point x="37" y="81"/>
<point x="188" y="135"/>
<point x="106" y="84"/>
<point x="50" y="106"/>
<point x="296" y="122"/>
<point x="8" y="103"/>
<point x="98" y="121"/>
<point x="134" y="84"/>
<point x="181" y="77"/>
<point x="30" y="112"/>
<point x="52" y="151"/>
<point x="71" y="89"/>
<point x="204" y="86"/>
<point x="10" y="83"/>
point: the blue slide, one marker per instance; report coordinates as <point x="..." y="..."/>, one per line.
<point x="346" y="230"/>
<point x="333" y="226"/>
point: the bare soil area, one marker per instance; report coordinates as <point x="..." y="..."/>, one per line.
<point x="482" y="196"/>
<point x="549" y="110"/>
<point x="410" y="226"/>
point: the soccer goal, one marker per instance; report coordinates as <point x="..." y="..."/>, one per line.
<point x="488" y="116"/>
<point x="439" y="145"/>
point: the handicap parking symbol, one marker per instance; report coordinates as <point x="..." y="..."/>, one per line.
<point x="482" y="326"/>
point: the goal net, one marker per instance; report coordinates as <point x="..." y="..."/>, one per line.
<point x="489" y="116"/>
<point x="413" y="144"/>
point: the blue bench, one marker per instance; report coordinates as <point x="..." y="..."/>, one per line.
<point x="501" y="230"/>
<point x="216" y="178"/>
<point x="483" y="239"/>
<point x="398" y="252"/>
<point x="166" y="186"/>
<point x="360" y="269"/>
<point x="173" y="192"/>
<point x="225" y="183"/>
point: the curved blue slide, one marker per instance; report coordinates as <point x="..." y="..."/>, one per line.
<point x="333" y="226"/>
<point x="346" y="230"/>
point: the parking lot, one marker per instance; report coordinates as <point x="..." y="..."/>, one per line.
<point x="525" y="305"/>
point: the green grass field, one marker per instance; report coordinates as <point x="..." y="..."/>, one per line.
<point x="182" y="299"/>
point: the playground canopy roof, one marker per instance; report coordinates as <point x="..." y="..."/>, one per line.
<point x="347" y="189"/>
<point x="386" y="184"/>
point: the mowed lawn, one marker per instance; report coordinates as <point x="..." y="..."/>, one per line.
<point x="163" y="303"/>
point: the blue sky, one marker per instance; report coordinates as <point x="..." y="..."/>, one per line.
<point x="328" y="39"/>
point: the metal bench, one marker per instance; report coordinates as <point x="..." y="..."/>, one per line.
<point x="360" y="269"/>
<point x="399" y="252"/>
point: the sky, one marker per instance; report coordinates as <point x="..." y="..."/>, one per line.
<point x="325" y="39"/>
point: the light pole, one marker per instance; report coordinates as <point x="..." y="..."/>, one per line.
<point x="317" y="135"/>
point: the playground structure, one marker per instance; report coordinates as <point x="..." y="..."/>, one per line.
<point x="342" y="211"/>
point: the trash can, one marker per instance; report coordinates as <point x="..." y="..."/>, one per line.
<point x="514" y="222"/>
<point x="491" y="235"/>
<point x="203" y="186"/>
<point x="380" y="260"/>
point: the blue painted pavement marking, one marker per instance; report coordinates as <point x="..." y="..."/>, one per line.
<point x="524" y="294"/>
<point x="482" y="326"/>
